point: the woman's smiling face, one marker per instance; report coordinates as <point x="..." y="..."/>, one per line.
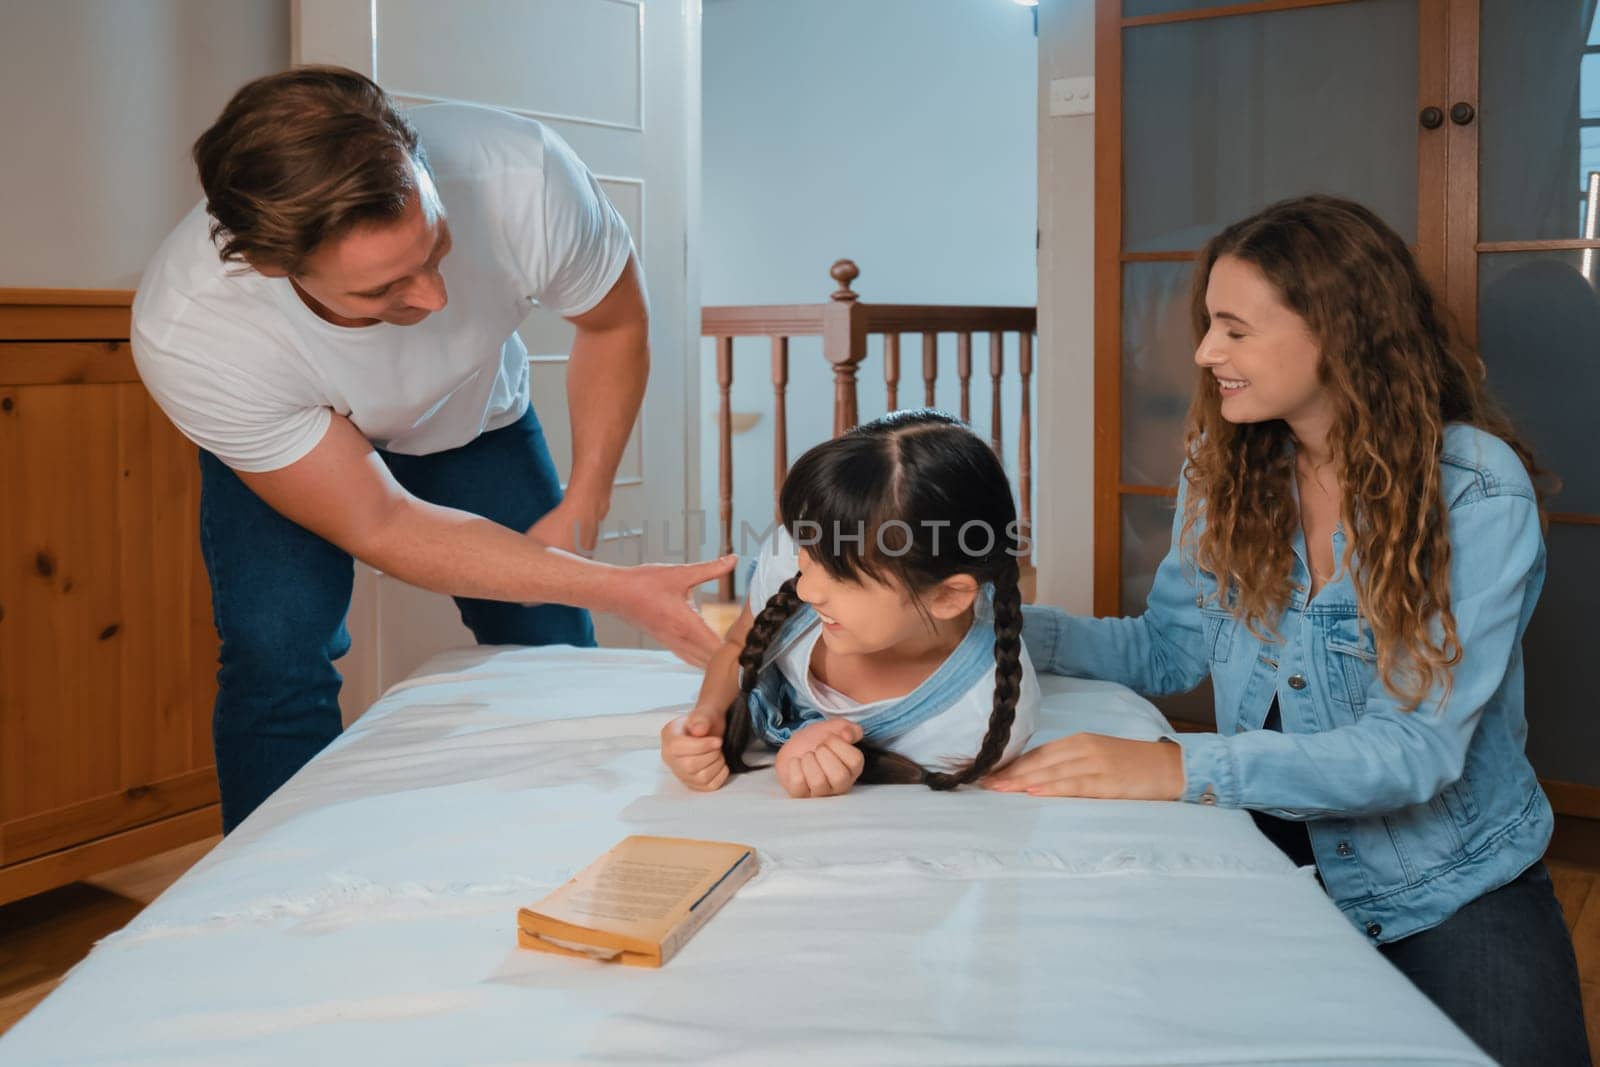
<point x="1262" y="355"/>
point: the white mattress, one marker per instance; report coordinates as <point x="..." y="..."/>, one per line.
<point x="366" y="914"/>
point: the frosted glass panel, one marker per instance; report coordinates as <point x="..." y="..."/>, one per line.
<point x="1158" y="371"/>
<point x="1539" y="331"/>
<point x="1588" y="166"/>
<point x="1134" y="8"/>
<point x="1224" y="116"/>
<point x="1563" y="731"/>
<point x="1146" y="536"/>
<point x="1538" y="89"/>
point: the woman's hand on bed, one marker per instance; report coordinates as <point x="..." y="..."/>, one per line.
<point x="821" y="760"/>
<point x="691" y="747"/>
<point x="1094" y="765"/>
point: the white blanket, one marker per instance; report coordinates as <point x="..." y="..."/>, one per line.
<point x="367" y="912"/>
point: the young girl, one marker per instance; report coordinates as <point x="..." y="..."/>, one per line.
<point x="884" y="638"/>
<point x="1355" y="556"/>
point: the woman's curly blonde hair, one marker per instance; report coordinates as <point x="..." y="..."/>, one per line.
<point x="1396" y="375"/>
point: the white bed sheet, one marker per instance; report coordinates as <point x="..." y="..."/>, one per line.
<point x="366" y="913"/>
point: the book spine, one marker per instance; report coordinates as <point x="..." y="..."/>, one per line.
<point x="708" y="905"/>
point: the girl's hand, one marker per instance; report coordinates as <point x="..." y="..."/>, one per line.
<point x="691" y="746"/>
<point x="1093" y="765"/>
<point x="821" y="760"/>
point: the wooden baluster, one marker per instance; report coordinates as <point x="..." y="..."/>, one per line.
<point x="997" y="366"/>
<point x="780" y="418"/>
<point x="930" y="366"/>
<point x="725" y="456"/>
<point x="964" y="372"/>
<point x="891" y="369"/>
<point x="844" y="398"/>
<point x="844" y="343"/>
<point x="1025" y="436"/>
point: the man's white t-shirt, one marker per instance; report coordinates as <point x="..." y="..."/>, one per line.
<point x="248" y="372"/>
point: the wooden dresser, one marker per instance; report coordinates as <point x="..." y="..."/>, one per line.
<point x="107" y="651"/>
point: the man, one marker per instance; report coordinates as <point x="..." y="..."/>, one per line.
<point x="334" y="328"/>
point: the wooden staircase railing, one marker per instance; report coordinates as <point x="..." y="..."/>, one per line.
<point x="844" y="323"/>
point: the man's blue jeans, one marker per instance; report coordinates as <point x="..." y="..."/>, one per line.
<point x="280" y="593"/>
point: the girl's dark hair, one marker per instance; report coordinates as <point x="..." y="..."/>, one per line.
<point x="914" y="497"/>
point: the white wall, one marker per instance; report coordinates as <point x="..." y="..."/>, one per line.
<point x="1065" y="515"/>
<point x="102" y="100"/>
<point x="897" y="133"/>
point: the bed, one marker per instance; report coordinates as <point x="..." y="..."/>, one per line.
<point x="366" y="913"/>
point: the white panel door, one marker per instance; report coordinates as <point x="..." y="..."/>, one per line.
<point x="619" y="80"/>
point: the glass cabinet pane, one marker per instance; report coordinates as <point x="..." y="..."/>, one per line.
<point x="1158" y="371"/>
<point x="1135" y="8"/>
<point x="1223" y="116"/>
<point x="1539" y="109"/>
<point x="1146" y="536"/>
<point x="1563" y="730"/>
<point x="1539" y="332"/>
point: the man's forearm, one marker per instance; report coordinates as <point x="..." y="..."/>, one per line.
<point x="605" y="387"/>
<point x="461" y="554"/>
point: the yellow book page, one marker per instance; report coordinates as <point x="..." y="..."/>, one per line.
<point x="639" y="890"/>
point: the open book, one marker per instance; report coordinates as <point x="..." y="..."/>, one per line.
<point x="640" y="902"/>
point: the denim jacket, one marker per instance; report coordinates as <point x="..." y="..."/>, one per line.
<point x="1410" y="814"/>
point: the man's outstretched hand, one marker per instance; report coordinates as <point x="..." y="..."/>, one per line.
<point x="657" y="598"/>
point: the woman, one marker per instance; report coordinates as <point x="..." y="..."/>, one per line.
<point x="1357" y="551"/>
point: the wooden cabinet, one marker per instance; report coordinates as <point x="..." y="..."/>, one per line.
<point x="107" y="651"/>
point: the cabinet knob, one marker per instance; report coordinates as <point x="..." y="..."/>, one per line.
<point x="1462" y="113"/>
<point x="1431" y="118"/>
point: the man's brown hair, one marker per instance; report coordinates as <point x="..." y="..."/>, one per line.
<point x="302" y="156"/>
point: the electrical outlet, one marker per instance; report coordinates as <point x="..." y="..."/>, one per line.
<point x="1071" y="96"/>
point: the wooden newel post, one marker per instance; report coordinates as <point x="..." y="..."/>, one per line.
<point x="844" y="343"/>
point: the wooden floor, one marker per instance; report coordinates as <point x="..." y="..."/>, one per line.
<point x="43" y="937"/>
<point x="1574" y="861"/>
